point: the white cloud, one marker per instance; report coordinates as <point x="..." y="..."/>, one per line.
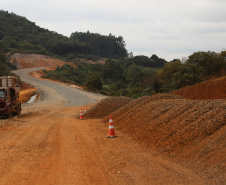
<point x="168" y="28"/>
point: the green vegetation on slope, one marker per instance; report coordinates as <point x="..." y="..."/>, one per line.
<point x="140" y="75"/>
<point x="17" y="34"/>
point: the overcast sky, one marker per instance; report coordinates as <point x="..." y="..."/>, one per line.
<point x="168" y="28"/>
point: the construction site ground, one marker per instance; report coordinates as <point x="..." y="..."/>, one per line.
<point x="164" y="139"/>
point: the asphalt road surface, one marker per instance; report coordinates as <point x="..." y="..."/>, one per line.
<point x="70" y="97"/>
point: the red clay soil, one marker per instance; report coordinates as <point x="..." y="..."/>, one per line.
<point x="191" y="131"/>
<point x="24" y="61"/>
<point x="26" y="92"/>
<point x="211" y="89"/>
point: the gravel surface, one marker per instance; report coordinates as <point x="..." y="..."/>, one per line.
<point x="107" y="106"/>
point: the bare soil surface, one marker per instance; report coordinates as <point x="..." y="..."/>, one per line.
<point x="24" y="61"/>
<point x="26" y="92"/>
<point x="52" y="146"/>
<point x="207" y="90"/>
<point x="164" y="139"/>
<point x="48" y="144"/>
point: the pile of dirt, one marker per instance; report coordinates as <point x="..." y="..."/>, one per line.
<point x="189" y="130"/>
<point x="168" y="125"/>
<point x="24" y="61"/>
<point x="107" y="106"/>
<point x="138" y="104"/>
<point x="207" y="90"/>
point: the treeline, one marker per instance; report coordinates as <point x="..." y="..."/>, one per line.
<point x="17" y="34"/>
<point x="103" y="46"/>
<point x="5" y="65"/>
<point x="123" y="76"/>
<point x="140" y="76"/>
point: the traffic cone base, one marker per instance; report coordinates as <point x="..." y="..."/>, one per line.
<point x="112" y="136"/>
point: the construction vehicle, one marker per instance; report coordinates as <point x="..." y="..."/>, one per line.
<point x="9" y="96"/>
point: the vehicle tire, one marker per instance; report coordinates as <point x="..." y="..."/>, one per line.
<point x="18" y="110"/>
<point x="10" y="113"/>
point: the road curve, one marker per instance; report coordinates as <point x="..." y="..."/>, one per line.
<point x="56" y="92"/>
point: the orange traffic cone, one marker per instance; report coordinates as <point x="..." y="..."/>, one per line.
<point x="85" y="109"/>
<point x="81" y="114"/>
<point x="111" y="131"/>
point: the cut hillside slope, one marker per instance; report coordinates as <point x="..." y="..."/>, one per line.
<point x="207" y="90"/>
<point x="24" y="61"/>
<point x="193" y="131"/>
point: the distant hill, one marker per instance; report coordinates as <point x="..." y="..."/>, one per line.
<point x="17" y="34"/>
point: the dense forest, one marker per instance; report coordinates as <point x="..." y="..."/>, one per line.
<point x="103" y="46"/>
<point x="131" y="77"/>
<point x="122" y="74"/>
<point x="17" y="34"/>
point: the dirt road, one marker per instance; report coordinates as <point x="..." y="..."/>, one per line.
<point x="50" y="145"/>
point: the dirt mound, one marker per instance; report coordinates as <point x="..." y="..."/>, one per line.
<point x="211" y="89"/>
<point x="189" y="130"/>
<point x="24" y="61"/>
<point x="138" y="104"/>
<point x="107" y="106"/>
<point x="169" y="125"/>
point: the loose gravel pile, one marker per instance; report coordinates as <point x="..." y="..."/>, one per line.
<point x="170" y="125"/>
<point x="138" y="104"/>
<point x="107" y="106"/>
<point x="192" y="130"/>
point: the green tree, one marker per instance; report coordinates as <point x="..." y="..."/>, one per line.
<point x="93" y="82"/>
<point x="112" y="71"/>
<point x="164" y="75"/>
<point x="187" y="74"/>
<point x="102" y="45"/>
<point x="212" y="62"/>
<point x="134" y="74"/>
<point x="4" y="69"/>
